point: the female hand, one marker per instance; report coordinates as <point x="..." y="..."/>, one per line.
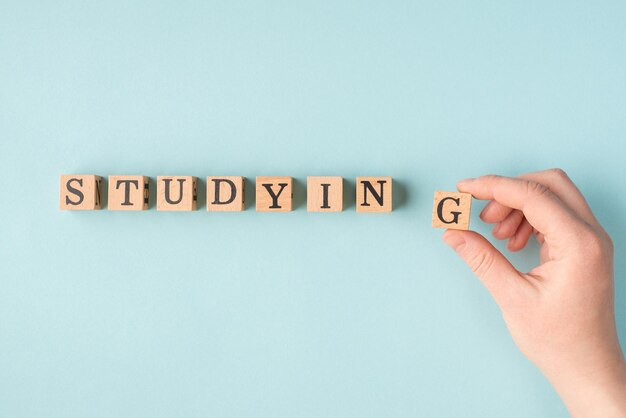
<point x="561" y="313"/>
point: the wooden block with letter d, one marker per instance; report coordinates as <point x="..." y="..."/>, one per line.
<point x="374" y="194"/>
<point x="128" y="193"/>
<point x="324" y="194"/>
<point x="451" y="210"/>
<point x="80" y="192"/>
<point x="177" y="193"/>
<point x="274" y="194"/>
<point x="225" y="194"/>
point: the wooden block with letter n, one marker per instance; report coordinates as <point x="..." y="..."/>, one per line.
<point x="80" y="192"/>
<point x="225" y="194"/>
<point x="274" y="194"/>
<point x="374" y="194"/>
<point x="177" y="193"/>
<point x="128" y="193"/>
<point x="324" y="194"/>
<point x="451" y="210"/>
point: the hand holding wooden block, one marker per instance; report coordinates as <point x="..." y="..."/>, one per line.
<point x="80" y="192"/>
<point x="451" y="210"/>
<point x="374" y="194"/>
<point x="177" y="193"/>
<point x="274" y="194"/>
<point x="324" y="194"/>
<point x="128" y="192"/>
<point x="225" y="194"/>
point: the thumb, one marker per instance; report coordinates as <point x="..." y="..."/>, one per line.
<point x="492" y="268"/>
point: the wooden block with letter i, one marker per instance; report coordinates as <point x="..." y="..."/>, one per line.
<point x="274" y="194"/>
<point x="80" y="192"/>
<point x="374" y="194"/>
<point x="324" y="194"/>
<point x="128" y="193"/>
<point x="451" y="210"/>
<point x="225" y="194"/>
<point x="177" y="193"/>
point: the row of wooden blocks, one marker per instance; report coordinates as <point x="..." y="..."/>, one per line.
<point x="226" y="194"/>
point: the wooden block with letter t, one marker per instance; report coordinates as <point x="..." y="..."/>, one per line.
<point x="324" y="194"/>
<point x="128" y="192"/>
<point x="225" y="194"/>
<point x="274" y="194"/>
<point x="177" y="193"/>
<point x="374" y="194"/>
<point x="80" y="192"/>
<point x="451" y="210"/>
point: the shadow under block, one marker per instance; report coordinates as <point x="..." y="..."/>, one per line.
<point x="324" y="194"/>
<point x="128" y="192"/>
<point x="274" y="194"/>
<point x="80" y="192"/>
<point x="177" y="193"/>
<point x="374" y="194"/>
<point x="225" y="193"/>
<point x="451" y="210"/>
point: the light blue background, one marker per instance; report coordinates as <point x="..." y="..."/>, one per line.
<point x="109" y="314"/>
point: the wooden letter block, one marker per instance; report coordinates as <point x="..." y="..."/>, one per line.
<point x="373" y="194"/>
<point x="177" y="193"/>
<point x="324" y="194"/>
<point x="225" y="194"/>
<point x="274" y="194"/>
<point x="452" y="210"/>
<point x="80" y="192"/>
<point x="128" y="192"/>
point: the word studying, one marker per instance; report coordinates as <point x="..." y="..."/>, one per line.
<point x="226" y="194"/>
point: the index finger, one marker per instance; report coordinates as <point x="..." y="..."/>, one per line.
<point x="543" y="209"/>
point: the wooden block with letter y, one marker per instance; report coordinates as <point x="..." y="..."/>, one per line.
<point x="177" y="193"/>
<point x="374" y="194"/>
<point x="274" y="194"/>
<point x="128" y="192"/>
<point x="324" y="194"/>
<point x="80" y="192"/>
<point x="451" y="210"/>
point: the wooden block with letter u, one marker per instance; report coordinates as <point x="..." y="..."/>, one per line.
<point x="451" y="210"/>
<point x="128" y="192"/>
<point x="274" y="194"/>
<point x="374" y="194"/>
<point x="80" y="192"/>
<point x="177" y="193"/>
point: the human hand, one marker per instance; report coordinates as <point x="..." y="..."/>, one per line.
<point x="561" y="313"/>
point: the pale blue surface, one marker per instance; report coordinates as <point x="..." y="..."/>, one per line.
<point x="109" y="314"/>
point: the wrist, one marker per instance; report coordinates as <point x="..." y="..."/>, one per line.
<point x="600" y="392"/>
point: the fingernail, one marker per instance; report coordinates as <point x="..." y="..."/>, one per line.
<point x="454" y="241"/>
<point x="468" y="180"/>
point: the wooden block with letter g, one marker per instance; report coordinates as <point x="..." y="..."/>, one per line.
<point x="80" y="192"/>
<point x="374" y="194"/>
<point x="274" y="194"/>
<point x="225" y="194"/>
<point x="324" y="194"/>
<point x="451" y="210"/>
<point x="177" y="193"/>
<point x="128" y="193"/>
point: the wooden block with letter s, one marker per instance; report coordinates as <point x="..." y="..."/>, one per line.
<point x="80" y="192"/>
